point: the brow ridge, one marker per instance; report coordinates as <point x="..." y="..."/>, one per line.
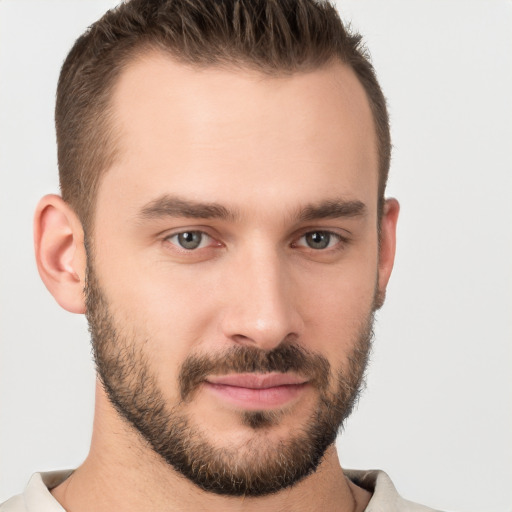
<point x="332" y="209"/>
<point x="171" y="206"/>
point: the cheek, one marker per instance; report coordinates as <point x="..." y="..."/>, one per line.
<point x="172" y="313"/>
<point x="337" y="308"/>
<point x="164" y="311"/>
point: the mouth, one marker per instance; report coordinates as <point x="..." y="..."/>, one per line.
<point x="253" y="391"/>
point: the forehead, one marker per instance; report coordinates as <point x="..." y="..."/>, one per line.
<point x="240" y="136"/>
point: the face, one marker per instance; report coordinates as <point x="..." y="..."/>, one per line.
<point x="234" y="267"/>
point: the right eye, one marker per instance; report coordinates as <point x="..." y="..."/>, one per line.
<point x="190" y="240"/>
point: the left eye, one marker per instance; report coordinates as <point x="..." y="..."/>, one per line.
<point x="319" y="240"/>
<point x="190" y="240"/>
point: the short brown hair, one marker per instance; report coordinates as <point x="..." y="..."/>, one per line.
<point x="272" y="36"/>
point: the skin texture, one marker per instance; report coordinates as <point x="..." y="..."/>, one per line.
<point x="268" y="151"/>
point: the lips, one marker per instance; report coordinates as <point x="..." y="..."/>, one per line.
<point x="257" y="380"/>
<point x="252" y="391"/>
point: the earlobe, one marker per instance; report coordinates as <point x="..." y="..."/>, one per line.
<point x="387" y="247"/>
<point x="60" y="252"/>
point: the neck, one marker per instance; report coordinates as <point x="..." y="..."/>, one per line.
<point x="122" y="472"/>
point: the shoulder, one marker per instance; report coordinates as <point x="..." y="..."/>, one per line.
<point x="15" y="504"/>
<point x="385" y="497"/>
<point x="37" y="497"/>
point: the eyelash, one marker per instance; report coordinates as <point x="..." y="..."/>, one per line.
<point x="340" y="241"/>
<point x="202" y="234"/>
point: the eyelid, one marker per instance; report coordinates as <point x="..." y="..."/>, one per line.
<point x="342" y="240"/>
<point x="212" y="240"/>
<point x="203" y="242"/>
<point x="167" y="233"/>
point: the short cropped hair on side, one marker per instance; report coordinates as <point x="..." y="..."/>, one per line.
<point x="276" y="37"/>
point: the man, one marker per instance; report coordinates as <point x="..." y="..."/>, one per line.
<point x="224" y="229"/>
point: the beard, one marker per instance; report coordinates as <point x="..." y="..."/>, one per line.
<point x="260" y="466"/>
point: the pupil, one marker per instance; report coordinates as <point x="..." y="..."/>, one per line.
<point x="189" y="239"/>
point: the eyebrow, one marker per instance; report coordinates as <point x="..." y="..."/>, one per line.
<point x="172" y="206"/>
<point x="332" y="209"/>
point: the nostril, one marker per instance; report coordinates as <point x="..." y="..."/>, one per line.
<point x="264" y="341"/>
<point x="242" y="339"/>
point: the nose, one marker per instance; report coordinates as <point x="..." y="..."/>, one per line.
<point x="262" y="310"/>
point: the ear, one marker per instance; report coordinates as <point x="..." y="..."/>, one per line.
<point x="387" y="246"/>
<point x="60" y="252"/>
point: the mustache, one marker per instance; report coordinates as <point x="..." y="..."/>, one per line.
<point x="242" y="359"/>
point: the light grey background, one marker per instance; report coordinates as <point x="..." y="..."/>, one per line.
<point x="437" y="414"/>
